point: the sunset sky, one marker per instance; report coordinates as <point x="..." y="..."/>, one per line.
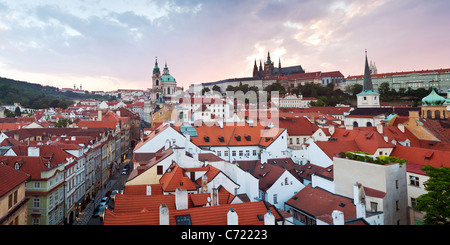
<point x="112" y="44"/>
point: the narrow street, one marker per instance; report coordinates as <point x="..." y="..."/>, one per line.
<point x="116" y="182"/>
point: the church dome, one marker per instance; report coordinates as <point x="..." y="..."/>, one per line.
<point x="433" y="99"/>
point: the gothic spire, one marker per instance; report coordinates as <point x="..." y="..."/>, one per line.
<point x="367" y="85"/>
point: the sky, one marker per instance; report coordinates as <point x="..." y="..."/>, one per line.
<point x="112" y="44"/>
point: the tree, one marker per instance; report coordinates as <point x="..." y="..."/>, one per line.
<point x="354" y="89"/>
<point x="384" y="89"/>
<point x="216" y="88"/>
<point x="17" y="112"/>
<point x="436" y="202"/>
<point x="62" y="123"/>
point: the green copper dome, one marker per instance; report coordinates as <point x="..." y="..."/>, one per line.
<point x="167" y="78"/>
<point x="433" y="99"/>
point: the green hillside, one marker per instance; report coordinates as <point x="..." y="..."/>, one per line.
<point x="36" y="96"/>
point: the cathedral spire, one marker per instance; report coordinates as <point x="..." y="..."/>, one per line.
<point x="367" y="85"/>
<point x="156" y="68"/>
<point x="255" y="70"/>
<point x="268" y="61"/>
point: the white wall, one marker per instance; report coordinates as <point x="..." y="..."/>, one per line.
<point x="284" y="192"/>
<point x="317" y="156"/>
<point x="248" y="183"/>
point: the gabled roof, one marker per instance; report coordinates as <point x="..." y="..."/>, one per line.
<point x="298" y="126"/>
<point x="320" y="203"/>
<point x="175" y="178"/>
<point x="234" y="135"/>
<point x="10" y="178"/>
<point x="422" y="156"/>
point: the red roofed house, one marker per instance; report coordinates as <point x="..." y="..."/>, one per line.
<point x="180" y="209"/>
<point x="417" y="158"/>
<point x="276" y="184"/>
<point x="13" y="202"/>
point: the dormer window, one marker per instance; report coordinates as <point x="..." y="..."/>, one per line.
<point x="16" y="166"/>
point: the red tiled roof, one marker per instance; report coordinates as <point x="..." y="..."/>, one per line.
<point x="97" y="124"/>
<point x="175" y="178"/>
<point x="234" y="135"/>
<point x="156" y="189"/>
<point x="320" y="203"/>
<point x="213" y="215"/>
<point x="389" y="74"/>
<point x="10" y="178"/>
<point x="422" y="156"/>
<point x="297" y="126"/>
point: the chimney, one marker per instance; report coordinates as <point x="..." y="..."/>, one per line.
<point x="338" y="217"/>
<point x="264" y="157"/>
<point x="356" y="193"/>
<point x="401" y="127"/>
<point x="99" y="118"/>
<point x="33" y="151"/>
<point x="360" y="210"/>
<point x="214" y="197"/>
<point x="380" y="128"/>
<point x="181" y="199"/>
<point x="204" y="188"/>
<point x="331" y="129"/>
<point x="167" y="145"/>
<point x="163" y="215"/>
<point x="188" y="139"/>
<point x="149" y="190"/>
<point x="232" y="217"/>
<point x="179" y="153"/>
<point x="269" y="219"/>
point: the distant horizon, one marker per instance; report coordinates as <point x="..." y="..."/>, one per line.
<point x="110" y="45"/>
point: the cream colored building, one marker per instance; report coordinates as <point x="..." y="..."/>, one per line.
<point x="13" y="203"/>
<point x="383" y="188"/>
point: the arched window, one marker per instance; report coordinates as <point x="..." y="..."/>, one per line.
<point x="437" y="114"/>
<point x="429" y="114"/>
<point x="355" y="124"/>
<point x="369" y="124"/>
<point x="157" y="83"/>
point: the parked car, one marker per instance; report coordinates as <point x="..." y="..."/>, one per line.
<point x="104" y="201"/>
<point x="99" y="211"/>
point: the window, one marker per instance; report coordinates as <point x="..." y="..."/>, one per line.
<point x="159" y="170"/>
<point x="36" y="203"/>
<point x="275" y="199"/>
<point x="219" y="153"/>
<point x="414" y="180"/>
<point x="373" y="206"/>
<point x="233" y="153"/>
<point x="254" y="152"/>
<point x="396" y="184"/>
<point x="183" y="220"/>
<point x="10" y="201"/>
<point x="225" y="153"/>
<point x="396" y="206"/>
<point x="286" y="181"/>
<point x="413" y="202"/>
<point x="241" y="153"/>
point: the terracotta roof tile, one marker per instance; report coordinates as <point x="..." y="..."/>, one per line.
<point x="10" y="178"/>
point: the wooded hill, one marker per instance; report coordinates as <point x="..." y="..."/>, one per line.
<point x="36" y="96"/>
